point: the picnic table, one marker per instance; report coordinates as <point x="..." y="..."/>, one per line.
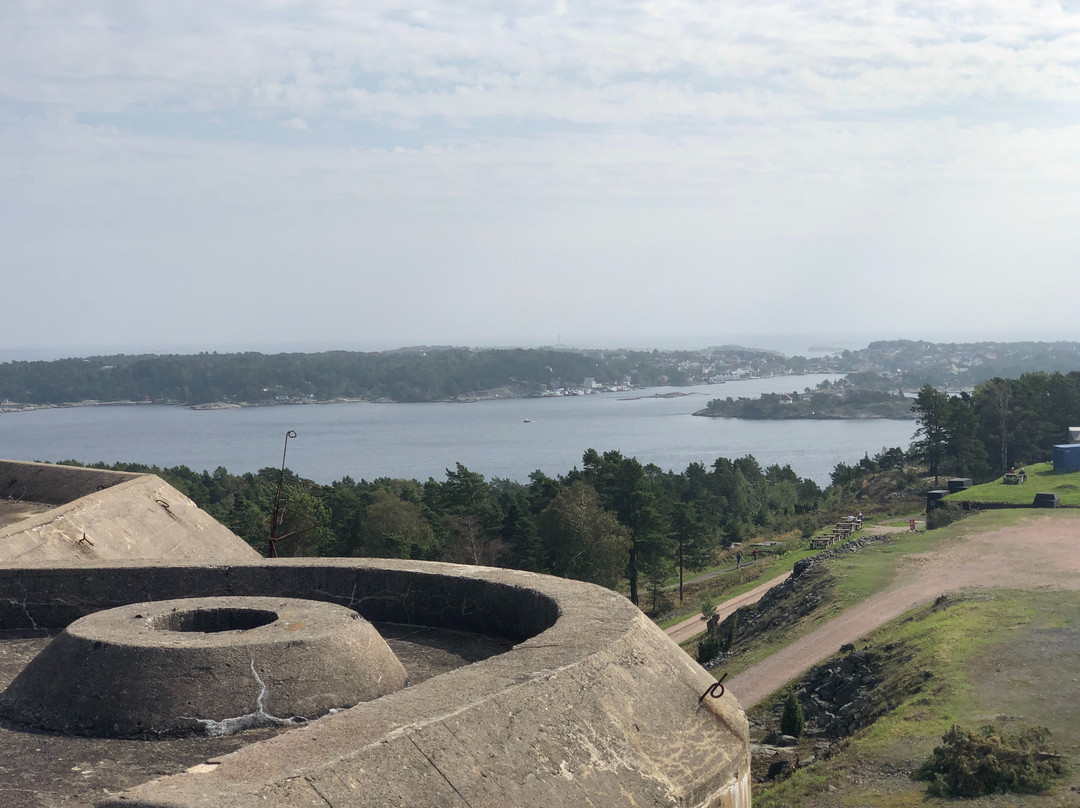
<point x="1014" y="477"/>
<point x="843" y="530"/>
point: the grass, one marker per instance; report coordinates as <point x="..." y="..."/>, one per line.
<point x="866" y="573"/>
<point x="1004" y="655"/>
<point x="901" y="521"/>
<point x="729" y="586"/>
<point x="851" y="578"/>
<point x="1041" y="477"/>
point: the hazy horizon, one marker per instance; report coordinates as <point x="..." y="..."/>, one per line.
<point x="787" y="344"/>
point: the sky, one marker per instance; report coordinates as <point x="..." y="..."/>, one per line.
<point x="267" y="174"/>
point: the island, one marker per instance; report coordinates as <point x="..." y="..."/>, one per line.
<point x="840" y="400"/>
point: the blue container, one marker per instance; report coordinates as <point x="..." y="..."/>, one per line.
<point x="1067" y="457"/>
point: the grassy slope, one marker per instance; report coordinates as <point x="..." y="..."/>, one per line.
<point x="1003" y="656"/>
<point x="1041" y="477"/>
<point x="733" y="583"/>
<point x="1005" y="652"/>
<point x="853" y="578"/>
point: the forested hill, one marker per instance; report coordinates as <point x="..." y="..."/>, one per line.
<point x="838" y="401"/>
<point x="449" y="373"/>
<point x="422" y="374"/>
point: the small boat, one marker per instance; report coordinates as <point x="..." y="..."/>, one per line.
<point x="526" y="420"/>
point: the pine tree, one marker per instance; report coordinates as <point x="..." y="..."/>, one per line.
<point x="792" y="721"/>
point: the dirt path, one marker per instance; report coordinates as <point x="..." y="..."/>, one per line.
<point x="691" y="626"/>
<point x="708" y="576"/>
<point x="1042" y="551"/>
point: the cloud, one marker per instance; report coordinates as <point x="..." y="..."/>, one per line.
<point x="634" y="63"/>
<point x="552" y="156"/>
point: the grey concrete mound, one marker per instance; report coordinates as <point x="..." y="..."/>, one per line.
<point x="92" y="515"/>
<point x="53" y="484"/>
<point x="593" y="705"/>
<point x="206" y="665"/>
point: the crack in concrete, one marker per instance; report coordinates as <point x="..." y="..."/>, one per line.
<point x="315" y="788"/>
<point x="440" y="771"/>
<point x="26" y="611"/>
<point x="259" y="718"/>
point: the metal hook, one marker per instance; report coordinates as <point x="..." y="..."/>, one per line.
<point x="712" y="689"/>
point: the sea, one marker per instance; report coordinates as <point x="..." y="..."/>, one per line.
<point x="506" y="439"/>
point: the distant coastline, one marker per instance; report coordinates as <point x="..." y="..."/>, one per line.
<point x="422" y="374"/>
<point x="875" y="377"/>
<point x="12" y="407"/>
<point x="468" y="398"/>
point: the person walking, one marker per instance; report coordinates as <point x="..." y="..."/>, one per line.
<point x="738" y="560"/>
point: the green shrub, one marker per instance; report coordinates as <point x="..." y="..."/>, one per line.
<point x="718" y="639"/>
<point x="944" y="514"/>
<point x="709" y="647"/>
<point x="708" y="604"/>
<point x="730" y="628"/>
<point x="792" y="721"/>
<point x="970" y="764"/>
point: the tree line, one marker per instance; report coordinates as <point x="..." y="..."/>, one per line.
<point x="841" y="399"/>
<point x="407" y="375"/>
<point x="1001" y="423"/>
<point x="613" y="520"/>
<point x="422" y="375"/>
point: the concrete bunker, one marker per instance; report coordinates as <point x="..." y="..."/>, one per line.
<point x="588" y="701"/>
<point x="204" y="665"/>
<point x="554" y="692"/>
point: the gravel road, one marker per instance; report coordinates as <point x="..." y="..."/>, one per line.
<point x="1041" y="551"/>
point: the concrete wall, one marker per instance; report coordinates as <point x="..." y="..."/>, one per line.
<point x="593" y="706"/>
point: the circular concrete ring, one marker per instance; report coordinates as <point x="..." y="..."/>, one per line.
<point x="203" y="665"/>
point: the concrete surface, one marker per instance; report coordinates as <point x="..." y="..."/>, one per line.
<point x="49" y="770"/>
<point x="53" y="484"/>
<point x="101" y="515"/>
<point x="12" y="511"/>
<point x="593" y="705"/>
<point x="205" y="665"/>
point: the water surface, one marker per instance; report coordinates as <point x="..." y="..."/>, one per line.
<point x="365" y="441"/>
